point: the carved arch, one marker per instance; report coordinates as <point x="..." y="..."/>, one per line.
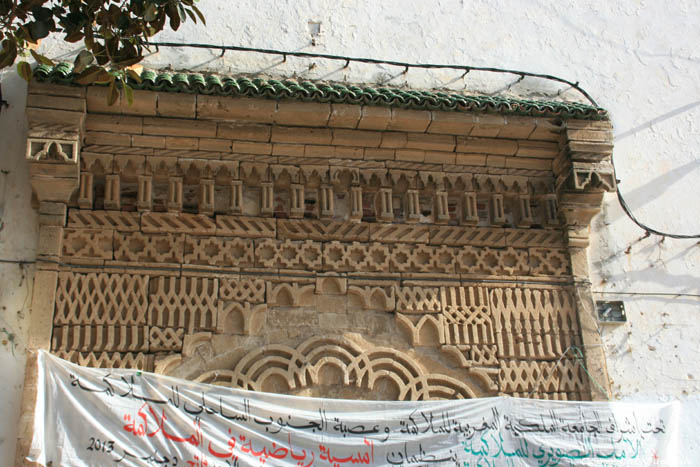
<point x="301" y="367"/>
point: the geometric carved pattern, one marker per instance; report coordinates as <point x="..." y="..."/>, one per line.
<point x="177" y="223"/>
<point x="165" y="339"/>
<point x="474" y="236"/>
<point x="466" y="316"/>
<point x="288" y="254"/>
<point x="39" y="149"/>
<point x="99" y="338"/>
<point x="116" y="220"/>
<point x="186" y="302"/>
<point x="490" y="261"/>
<point x="534" y="323"/>
<point x="90" y="299"/>
<point x="290" y="294"/>
<point x="322" y="230"/>
<point x="547" y="262"/>
<point x="87" y="243"/>
<point x="418" y="300"/>
<point x="299" y="254"/>
<point x="240" y="318"/>
<point x="473" y="355"/>
<point x="313" y="256"/>
<point x="138" y="247"/>
<point x="248" y="227"/>
<point x="321" y="360"/>
<point x="219" y="251"/>
<point x="402" y="257"/>
<point x="422" y="330"/>
<point x="355" y="256"/>
<point x="242" y="290"/>
<point x="373" y="298"/>
<point x="523" y="238"/>
<point x="394" y="233"/>
<point x="549" y="377"/>
<point x="132" y="361"/>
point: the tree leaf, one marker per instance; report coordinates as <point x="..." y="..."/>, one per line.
<point x="133" y="75"/>
<point x="128" y="62"/>
<point x="89" y="75"/>
<point x="24" y="70"/>
<point x="42" y="14"/>
<point x="83" y="59"/>
<point x="39" y="29"/>
<point x="104" y="77"/>
<point x="151" y="13"/>
<point x="74" y="37"/>
<point x="8" y="54"/>
<point x="113" y="93"/>
<point x="41" y="59"/>
<point x="129" y="94"/>
<point x="199" y="13"/>
<point x="174" y="15"/>
<point x="191" y="15"/>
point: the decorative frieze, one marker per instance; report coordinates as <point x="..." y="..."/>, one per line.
<point x="287" y="248"/>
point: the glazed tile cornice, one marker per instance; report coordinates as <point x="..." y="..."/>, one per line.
<point x="308" y="91"/>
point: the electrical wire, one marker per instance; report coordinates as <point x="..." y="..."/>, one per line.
<point x="405" y="65"/>
<point x="465" y="68"/>
<point x="626" y="209"/>
<point x="646" y="228"/>
<point x="647" y="294"/>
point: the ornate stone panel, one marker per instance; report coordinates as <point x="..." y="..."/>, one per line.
<point x="311" y="262"/>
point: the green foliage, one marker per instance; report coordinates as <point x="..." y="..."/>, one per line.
<point x="114" y="33"/>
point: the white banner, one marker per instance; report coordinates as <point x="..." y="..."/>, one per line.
<point x="97" y="417"/>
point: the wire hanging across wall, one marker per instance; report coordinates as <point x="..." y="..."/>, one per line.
<point x="406" y="66"/>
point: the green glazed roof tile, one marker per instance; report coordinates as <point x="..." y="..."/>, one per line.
<point x="308" y="91"/>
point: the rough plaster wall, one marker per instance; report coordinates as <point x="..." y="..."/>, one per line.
<point x="638" y="59"/>
<point x="18" y="236"/>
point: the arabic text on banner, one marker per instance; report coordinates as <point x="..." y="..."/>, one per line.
<point x="91" y="417"/>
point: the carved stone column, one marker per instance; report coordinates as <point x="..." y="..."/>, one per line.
<point x="236" y="199"/>
<point x="584" y="173"/>
<point x="469" y="213"/>
<point x="297" y="207"/>
<point x="267" y="207"/>
<point x="412" y="206"/>
<point x="355" y="203"/>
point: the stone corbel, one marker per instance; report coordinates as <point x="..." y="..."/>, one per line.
<point x="53" y="150"/>
<point x="584" y="173"/>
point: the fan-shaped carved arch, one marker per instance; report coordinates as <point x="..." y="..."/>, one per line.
<point x="302" y="367"/>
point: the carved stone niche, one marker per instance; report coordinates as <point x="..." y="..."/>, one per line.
<point x="53" y="152"/>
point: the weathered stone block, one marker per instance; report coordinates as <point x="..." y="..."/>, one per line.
<point x="344" y="116"/>
<point x="302" y="113"/>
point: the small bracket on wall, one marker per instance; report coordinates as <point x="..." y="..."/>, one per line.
<point x="611" y="312"/>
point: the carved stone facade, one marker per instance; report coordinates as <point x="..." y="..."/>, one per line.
<point x="317" y="249"/>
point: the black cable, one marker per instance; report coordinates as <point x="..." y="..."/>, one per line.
<point x="643" y="226"/>
<point x="647" y="294"/>
<point x="406" y="66"/>
<point x="17" y="261"/>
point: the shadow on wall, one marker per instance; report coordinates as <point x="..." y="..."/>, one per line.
<point x="654" y="121"/>
<point x="653" y="189"/>
<point x="652" y="253"/>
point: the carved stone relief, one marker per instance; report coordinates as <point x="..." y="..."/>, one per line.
<point x="316" y="272"/>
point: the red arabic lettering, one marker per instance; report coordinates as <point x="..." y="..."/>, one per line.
<point x="359" y="458"/>
<point x="142" y="427"/>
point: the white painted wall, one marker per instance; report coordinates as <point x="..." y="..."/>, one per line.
<point x="638" y="59"/>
